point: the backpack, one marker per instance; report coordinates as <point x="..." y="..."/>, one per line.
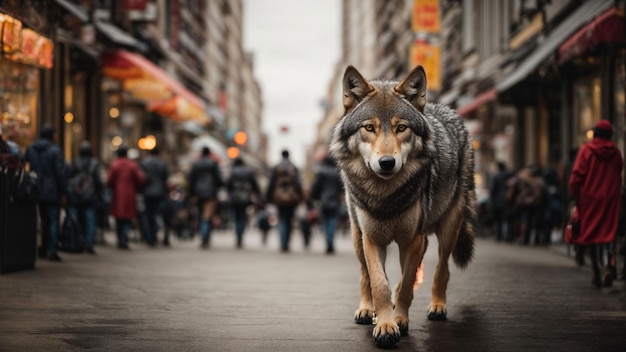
<point x="26" y="188"/>
<point x="285" y="194"/>
<point x="81" y="187"/>
<point x="71" y="238"/>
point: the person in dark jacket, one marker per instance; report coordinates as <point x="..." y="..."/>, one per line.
<point x="242" y="186"/>
<point x="86" y="209"/>
<point x="124" y="178"/>
<point x="204" y="181"/>
<point x="595" y="184"/>
<point x="155" y="192"/>
<point x="500" y="210"/>
<point x="327" y="190"/>
<point x="285" y="176"/>
<point x="46" y="159"/>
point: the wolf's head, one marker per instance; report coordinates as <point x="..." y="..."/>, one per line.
<point x="383" y="125"/>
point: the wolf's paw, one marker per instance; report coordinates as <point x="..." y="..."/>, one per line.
<point x="403" y="324"/>
<point x="363" y="316"/>
<point x="437" y="312"/>
<point x="386" y="334"/>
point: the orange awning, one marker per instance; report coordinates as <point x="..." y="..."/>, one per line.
<point x="148" y="82"/>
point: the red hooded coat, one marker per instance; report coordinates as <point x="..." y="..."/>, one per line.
<point x="124" y="178"/>
<point x="595" y="183"/>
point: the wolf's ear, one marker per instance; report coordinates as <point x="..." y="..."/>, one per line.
<point x="413" y="88"/>
<point x="355" y="88"/>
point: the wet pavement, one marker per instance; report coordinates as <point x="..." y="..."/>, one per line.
<point x="511" y="298"/>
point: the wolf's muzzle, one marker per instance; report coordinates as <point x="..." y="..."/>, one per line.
<point x="387" y="162"/>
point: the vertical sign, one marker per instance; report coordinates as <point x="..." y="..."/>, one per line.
<point x="428" y="56"/>
<point x="426" y="16"/>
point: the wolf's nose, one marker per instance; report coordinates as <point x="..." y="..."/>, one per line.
<point x="387" y="162"/>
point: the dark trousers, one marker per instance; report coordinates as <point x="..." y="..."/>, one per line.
<point x="49" y="215"/>
<point x="241" y="218"/>
<point x="285" y="219"/>
<point x="151" y="215"/>
<point x="122" y="227"/>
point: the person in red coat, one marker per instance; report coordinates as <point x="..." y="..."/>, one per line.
<point x="595" y="184"/>
<point x="124" y="177"/>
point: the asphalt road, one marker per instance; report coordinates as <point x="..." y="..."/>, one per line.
<point x="511" y="298"/>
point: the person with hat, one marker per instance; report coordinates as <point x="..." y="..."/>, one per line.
<point x="46" y="159"/>
<point x="595" y="184"/>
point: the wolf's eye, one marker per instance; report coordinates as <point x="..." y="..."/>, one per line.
<point x="369" y="127"/>
<point x="401" y="128"/>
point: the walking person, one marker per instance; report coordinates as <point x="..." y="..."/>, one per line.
<point x="204" y="181"/>
<point x="595" y="184"/>
<point x="46" y="159"/>
<point x="124" y="178"/>
<point x="242" y="186"/>
<point x="285" y="191"/>
<point x="327" y="190"/>
<point x="155" y="192"/>
<point x="85" y="191"/>
<point x="497" y="199"/>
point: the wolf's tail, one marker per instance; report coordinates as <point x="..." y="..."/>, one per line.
<point x="464" y="248"/>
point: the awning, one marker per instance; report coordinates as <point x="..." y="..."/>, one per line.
<point x="148" y="82"/>
<point x="483" y="98"/>
<point x="119" y="36"/>
<point x="606" y="28"/>
<point x="582" y="15"/>
<point x="77" y="10"/>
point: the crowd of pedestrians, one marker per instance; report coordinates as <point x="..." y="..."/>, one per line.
<point x="143" y="196"/>
<point x="535" y="204"/>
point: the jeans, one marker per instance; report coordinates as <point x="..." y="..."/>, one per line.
<point x="206" y="210"/>
<point x="285" y="219"/>
<point x="330" y="221"/>
<point x="122" y="227"/>
<point x="49" y="214"/>
<point x="86" y="216"/>
<point x="150" y="217"/>
<point x="241" y="218"/>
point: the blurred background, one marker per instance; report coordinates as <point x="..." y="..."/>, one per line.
<point x="530" y="78"/>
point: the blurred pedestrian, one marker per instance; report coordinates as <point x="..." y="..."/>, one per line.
<point x="46" y="159"/>
<point x="205" y="179"/>
<point x="285" y="191"/>
<point x="595" y="184"/>
<point x="155" y="193"/>
<point x="500" y="210"/>
<point x="85" y="200"/>
<point x="327" y="189"/>
<point x="125" y="178"/>
<point x="242" y="187"/>
<point x="527" y="193"/>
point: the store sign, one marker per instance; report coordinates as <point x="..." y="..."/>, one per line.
<point x="140" y="10"/>
<point x="11" y="34"/>
<point x="426" y="16"/>
<point x="428" y="56"/>
<point x="24" y="45"/>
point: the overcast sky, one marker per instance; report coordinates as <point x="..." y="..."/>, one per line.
<point x="296" y="44"/>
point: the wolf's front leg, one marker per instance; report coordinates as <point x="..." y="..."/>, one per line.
<point x="365" y="313"/>
<point x="386" y="332"/>
<point x="411" y="256"/>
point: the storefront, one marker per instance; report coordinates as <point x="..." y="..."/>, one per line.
<point x="145" y="107"/>
<point x="24" y="53"/>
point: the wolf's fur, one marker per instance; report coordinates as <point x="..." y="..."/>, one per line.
<point x="408" y="170"/>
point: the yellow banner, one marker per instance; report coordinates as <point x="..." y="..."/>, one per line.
<point x="429" y="57"/>
<point x="426" y="16"/>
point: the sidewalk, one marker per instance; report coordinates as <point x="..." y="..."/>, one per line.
<point x="510" y="298"/>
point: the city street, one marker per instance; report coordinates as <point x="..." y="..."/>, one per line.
<point x="511" y="298"/>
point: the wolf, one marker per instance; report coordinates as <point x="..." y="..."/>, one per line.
<point x="407" y="168"/>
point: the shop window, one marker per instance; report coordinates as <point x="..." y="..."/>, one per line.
<point x="19" y="95"/>
<point x="586" y="109"/>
